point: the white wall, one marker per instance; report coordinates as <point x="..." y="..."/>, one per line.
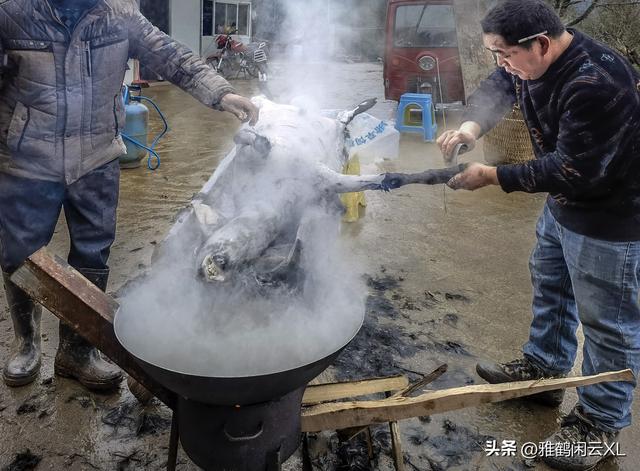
<point x="186" y="23"/>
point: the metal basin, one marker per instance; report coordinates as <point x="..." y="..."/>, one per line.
<point x="230" y="391"/>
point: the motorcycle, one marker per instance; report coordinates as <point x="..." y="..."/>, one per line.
<point x="234" y="58"/>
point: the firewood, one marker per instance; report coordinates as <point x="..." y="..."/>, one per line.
<point x="341" y="415"/>
<point x="316" y="394"/>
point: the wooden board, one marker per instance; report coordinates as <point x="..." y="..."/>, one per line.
<point x="335" y="416"/>
<point x="316" y="394"/>
<point x="405" y="392"/>
<point x="68" y="295"/>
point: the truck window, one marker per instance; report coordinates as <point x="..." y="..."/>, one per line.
<point x="425" y="26"/>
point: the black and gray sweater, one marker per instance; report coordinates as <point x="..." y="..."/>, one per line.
<point x="584" y="118"/>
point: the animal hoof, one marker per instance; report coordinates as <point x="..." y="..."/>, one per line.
<point x="212" y="270"/>
<point x="391" y="182"/>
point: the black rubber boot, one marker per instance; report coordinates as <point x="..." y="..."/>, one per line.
<point x="521" y="369"/>
<point x="24" y="362"/>
<point x="78" y="359"/>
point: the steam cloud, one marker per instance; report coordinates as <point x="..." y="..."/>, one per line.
<point x="176" y="320"/>
<point x="311" y="36"/>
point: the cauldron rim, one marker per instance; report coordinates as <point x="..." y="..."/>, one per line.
<point x="232" y="377"/>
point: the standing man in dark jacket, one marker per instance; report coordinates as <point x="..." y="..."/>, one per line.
<point x="581" y="102"/>
<point x="62" y="63"/>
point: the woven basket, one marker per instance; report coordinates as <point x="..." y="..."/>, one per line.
<point x="509" y="141"/>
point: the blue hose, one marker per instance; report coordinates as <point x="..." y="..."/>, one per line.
<point x="151" y="164"/>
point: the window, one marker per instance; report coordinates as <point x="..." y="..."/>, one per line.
<point x="232" y="18"/>
<point x="425" y="26"/>
<point x="243" y="18"/>
<point x="207" y="18"/>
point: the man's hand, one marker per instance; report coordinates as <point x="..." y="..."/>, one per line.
<point x="450" y="139"/>
<point x="474" y="177"/>
<point x="241" y="107"/>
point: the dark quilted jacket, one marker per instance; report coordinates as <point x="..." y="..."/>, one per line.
<point x="61" y="108"/>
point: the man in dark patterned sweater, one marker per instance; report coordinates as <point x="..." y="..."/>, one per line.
<point x="581" y="103"/>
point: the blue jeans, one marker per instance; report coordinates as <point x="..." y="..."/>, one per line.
<point x="577" y="279"/>
<point x="29" y="211"/>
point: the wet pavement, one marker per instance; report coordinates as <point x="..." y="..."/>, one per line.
<point x="448" y="279"/>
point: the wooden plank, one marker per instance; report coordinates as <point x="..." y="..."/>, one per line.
<point x="326" y="377"/>
<point x="341" y="415"/>
<point x="319" y="393"/>
<point x="406" y="392"/>
<point x="68" y="295"/>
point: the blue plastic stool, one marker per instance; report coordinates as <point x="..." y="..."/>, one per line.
<point x="416" y="113"/>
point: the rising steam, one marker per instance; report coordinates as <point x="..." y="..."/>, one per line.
<point x="176" y="320"/>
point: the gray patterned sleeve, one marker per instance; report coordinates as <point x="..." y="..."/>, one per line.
<point x="495" y="96"/>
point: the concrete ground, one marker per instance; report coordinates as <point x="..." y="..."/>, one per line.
<point x="450" y="267"/>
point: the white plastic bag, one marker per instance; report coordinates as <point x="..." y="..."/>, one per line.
<point x="373" y="139"/>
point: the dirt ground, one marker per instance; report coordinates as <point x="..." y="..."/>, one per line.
<point x="448" y="280"/>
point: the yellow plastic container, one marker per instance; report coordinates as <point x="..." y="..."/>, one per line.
<point x="352" y="201"/>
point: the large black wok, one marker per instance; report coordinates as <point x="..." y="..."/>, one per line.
<point x="164" y="304"/>
<point x="230" y="391"/>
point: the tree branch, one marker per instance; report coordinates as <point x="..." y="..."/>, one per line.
<point x="619" y="4"/>
<point x="585" y="14"/>
<point x="564" y="6"/>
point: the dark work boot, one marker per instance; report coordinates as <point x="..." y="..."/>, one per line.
<point x="78" y="359"/>
<point x="588" y="445"/>
<point x="24" y="362"/>
<point x="521" y="369"/>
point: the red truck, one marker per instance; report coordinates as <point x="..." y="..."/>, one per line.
<point x="421" y="51"/>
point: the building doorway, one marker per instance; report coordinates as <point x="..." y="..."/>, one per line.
<point x="159" y="13"/>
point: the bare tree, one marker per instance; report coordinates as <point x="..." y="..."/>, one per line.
<point x="615" y="22"/>
<point x="619" y="27"/>
<point x="574" y="12"/>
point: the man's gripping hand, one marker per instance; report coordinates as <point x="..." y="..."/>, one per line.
<point x="476" y="176"/>
<point x="241" y="107"/>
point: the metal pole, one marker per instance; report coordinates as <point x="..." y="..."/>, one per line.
<point x="173" y="443"/>
<point x="444" y="116"/>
